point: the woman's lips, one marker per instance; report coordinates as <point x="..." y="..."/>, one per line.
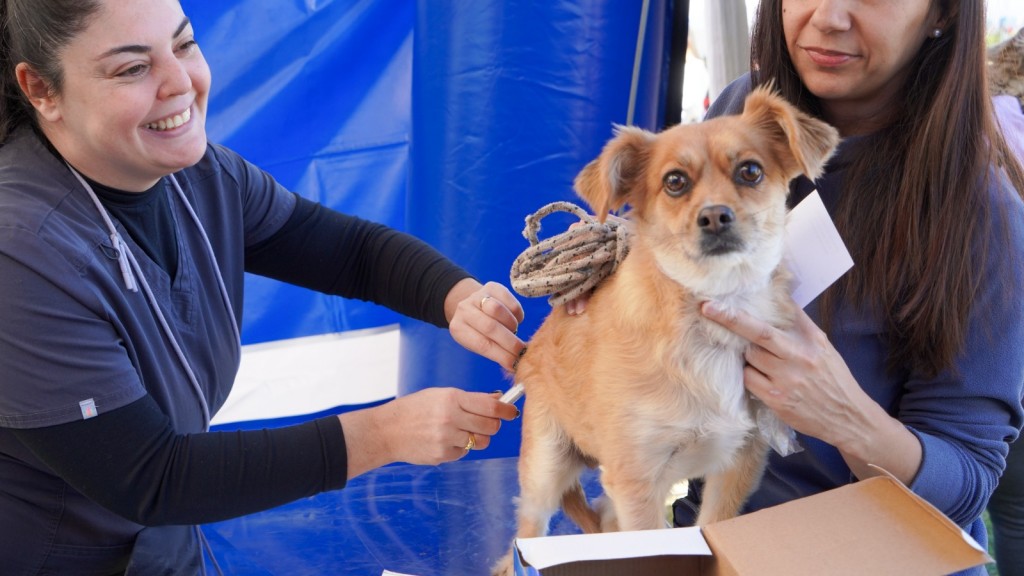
<point x="171" y="122"/>
<point x="827" y="58"/>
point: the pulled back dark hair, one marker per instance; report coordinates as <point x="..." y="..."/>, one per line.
<point x="35" y="32"/>
<point x="913" y="189"/>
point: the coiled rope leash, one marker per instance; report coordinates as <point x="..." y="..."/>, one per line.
<point x="571" y="263"/>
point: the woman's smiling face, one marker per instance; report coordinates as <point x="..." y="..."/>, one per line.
<point x="132" y="108"/>
<point x="854" y="54"/>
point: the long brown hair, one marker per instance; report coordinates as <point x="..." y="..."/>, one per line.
<point x="913" y="191"/>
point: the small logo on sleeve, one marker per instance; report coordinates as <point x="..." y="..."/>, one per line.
<point x="88" y="408"/>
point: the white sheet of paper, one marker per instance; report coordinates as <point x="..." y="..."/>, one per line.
<point x="549" y="551"/>
<point x="815" y="253"/>
<point x="543" y="553"/>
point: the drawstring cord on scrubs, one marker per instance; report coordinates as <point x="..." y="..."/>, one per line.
<point x="134" y="278"/>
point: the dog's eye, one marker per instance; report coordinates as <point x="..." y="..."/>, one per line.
<point x="677" y="183"/>
<point x="749" y="173"/>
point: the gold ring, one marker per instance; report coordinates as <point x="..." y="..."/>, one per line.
<point x="482" y="300"/>
<point x="471" y="443"/>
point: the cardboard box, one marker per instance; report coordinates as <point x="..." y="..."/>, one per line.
<point x="875" y="526"/>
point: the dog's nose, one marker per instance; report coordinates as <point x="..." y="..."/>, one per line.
<point x="715" y="219"/>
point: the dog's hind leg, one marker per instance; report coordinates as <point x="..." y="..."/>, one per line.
<point x="726" y="492"/>
<point x="575" y="506"/>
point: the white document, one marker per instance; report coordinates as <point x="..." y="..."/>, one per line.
<point x="815" y="253"/>
<point x="551" y="551"/>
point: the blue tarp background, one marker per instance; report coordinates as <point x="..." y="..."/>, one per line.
<point x="318" y="93"/>
<point x="449" y="119"/>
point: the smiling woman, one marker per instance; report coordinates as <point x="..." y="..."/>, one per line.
<point x="124" y="240"/>
<point x="855" y="76"/>
<point x="155" y="73"/>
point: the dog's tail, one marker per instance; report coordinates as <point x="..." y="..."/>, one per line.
<point x="575" y="506"/>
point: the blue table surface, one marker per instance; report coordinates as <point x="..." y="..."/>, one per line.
<point x="454" y="519"/>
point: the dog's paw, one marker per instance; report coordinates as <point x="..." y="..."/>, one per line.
<point x="605" y="508"/>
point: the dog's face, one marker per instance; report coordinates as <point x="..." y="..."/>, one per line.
<point x="709" y="199"/>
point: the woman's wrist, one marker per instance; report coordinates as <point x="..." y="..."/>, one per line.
<point x="881" y="441"/>
<point x="366" y="440"/>
<point x="462" y="289"/>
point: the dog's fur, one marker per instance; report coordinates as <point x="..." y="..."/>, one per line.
<point x="642" y="383"/>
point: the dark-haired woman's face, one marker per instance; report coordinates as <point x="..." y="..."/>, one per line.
<point x="133" y="105"/>
<point x="853" y="54"/>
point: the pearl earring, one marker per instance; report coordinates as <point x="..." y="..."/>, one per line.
<point x="937" y="33"/>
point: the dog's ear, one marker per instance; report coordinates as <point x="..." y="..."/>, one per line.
<point x="608" y="182"/>
<point x="811" y="141"/>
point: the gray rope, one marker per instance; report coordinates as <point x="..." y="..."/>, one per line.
<point x="571" y="263"/>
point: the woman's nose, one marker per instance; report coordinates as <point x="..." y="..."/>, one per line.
<point x="175" y="79"/>
<point x="831" y="16"/>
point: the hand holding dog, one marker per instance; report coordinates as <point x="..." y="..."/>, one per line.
<point x="801" y="376"/>
<point x="485" y="320"/>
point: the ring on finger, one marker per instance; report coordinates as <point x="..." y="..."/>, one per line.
<point x="483" y="300"/>
<point x="471" y="443"/>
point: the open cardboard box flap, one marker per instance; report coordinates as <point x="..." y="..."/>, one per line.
<point x="875" y="526"/>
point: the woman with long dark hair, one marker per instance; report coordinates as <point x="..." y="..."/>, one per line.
<point x="913" y="361"/>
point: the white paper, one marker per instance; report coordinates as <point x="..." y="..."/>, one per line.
<point x="551" y="551"/>
<point x="815" y="253"/>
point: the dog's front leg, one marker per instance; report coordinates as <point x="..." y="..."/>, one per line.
<point x="726" y="492"/>
<point x="548" y="469"/>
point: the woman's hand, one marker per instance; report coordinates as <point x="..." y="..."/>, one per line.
<point x="485" y="320"/>
<point x="797" y="373"/>
<point x="801" y="376"/>
<point x="429" y="427"/>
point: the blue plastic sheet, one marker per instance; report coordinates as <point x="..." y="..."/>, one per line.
<point x="319" y="95"/>
<point x="511" y="98"/>
<point x="450" y="520"/>
<point x="452" y="120"/>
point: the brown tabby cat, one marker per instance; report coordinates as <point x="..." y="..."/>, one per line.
<point x="1006" y="67"/>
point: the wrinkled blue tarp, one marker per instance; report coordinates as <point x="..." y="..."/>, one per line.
<point x="318" y="93"/>
<point x="449" y="119"/>
<point x="511" y="99"/>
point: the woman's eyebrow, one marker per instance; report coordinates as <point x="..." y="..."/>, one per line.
<point x="140" y="49"/>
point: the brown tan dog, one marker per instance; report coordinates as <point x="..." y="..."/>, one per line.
<point x="641" y="383"/>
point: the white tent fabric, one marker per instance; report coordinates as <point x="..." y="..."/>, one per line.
<point x="303" y="376"/>
<point x="728" y="54"/>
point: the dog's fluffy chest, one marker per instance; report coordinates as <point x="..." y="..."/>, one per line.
<point x="687" y="419"/>
<point x="702" y="416"/>
<point x="709" y="405"/>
